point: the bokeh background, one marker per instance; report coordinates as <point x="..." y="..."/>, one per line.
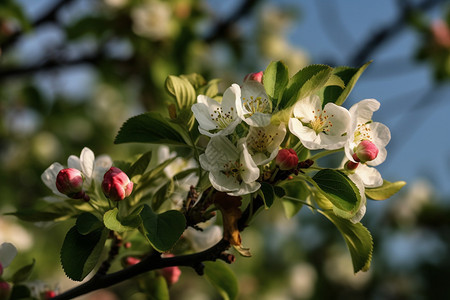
<point x="72" y="71"/>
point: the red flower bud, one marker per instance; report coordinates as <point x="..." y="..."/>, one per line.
<point x="49" y="294"/>
<point x="116" y="185"/>
<point x="351" y="166"/>
<point x="70" y="182"/>
<point x="4" y="290"/>
<point x="286" y="159"/>
<point x="254" y="76"/>
<point x="130" y="260"/>
<point x="365" y="151"/>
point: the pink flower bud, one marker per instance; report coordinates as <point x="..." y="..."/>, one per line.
<point x="254" y="76"/>
<point x="365" y="151"/>
<point x="286" y="159"/>
<point x="130" y="260"/>
<point x="116" y="185"/>
<point x="441" y="33"/>
<point x="70" y="182"/>
<point x="171" y="274"/>
<point x="4" y="290"/>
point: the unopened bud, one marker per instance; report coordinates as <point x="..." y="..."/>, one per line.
<point x="365" y="151"/>
<point x="286" y="159"/>
<point x="116" y="185"/>
<point x="70" y="182"/>
<point x="171" y="274"/>
<point x="254" y="76"/>
<point x="49" y="294"/>
<point x="130" y="260"/>
<point x="4" y="290"/>
<point x="351" y="166"/>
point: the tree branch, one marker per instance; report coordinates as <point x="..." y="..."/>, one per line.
<point x="152" y="262"/>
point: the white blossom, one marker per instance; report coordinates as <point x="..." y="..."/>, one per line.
<point x="319" y="128"/>
<point x="7" y="254"/>
<point x="254" y="106"/>
<point x="363" y="128"/>
<point x="230" y="170"/>
<point x="216" y="118"/>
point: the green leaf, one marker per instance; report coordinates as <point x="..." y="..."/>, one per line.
<point x="46" y="211"/>
<point x="304" y="83"/>
<point x="222" y="278"/>
<point x="267" y="193"/>
<point x="139" y="167"/>
<point x="340" y="190"/>
<point x="279" y="191"/>
<point x="358" y="239"/>
<point x="385" y="191"/>
<point x="211" y="89"/>
<point x="162" y="195"/>
<point x="23" y="273"/>
<point x="81" y="253"/>
<point x="112" y="220"/>
<point x="275" y="78"/>
<point x="163" y="230"/>
<point x="87" y="222"/>
<point x="297" y="192"/>
<point x="151" y="128"/>
<point x="182" y="90"/>
<point x="195" y="79"/>
<point x="349" y="76"/>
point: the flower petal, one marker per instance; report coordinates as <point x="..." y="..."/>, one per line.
<point x="250" y="171"/>
<point x="49" y="177"/>
<point x="306" y="108"/>
<point x="7" y="253"/>
<point x="370" y="176"/>
<point x="87" y="159"/>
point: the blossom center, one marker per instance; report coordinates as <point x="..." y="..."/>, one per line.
<point x="223" y="119"/>
<point x="233" y="169"/>
<point x="253" y="105"/>
<point x="260" y="141"/>
<point x="321" y="122"/>
<point x="363" y="132"/>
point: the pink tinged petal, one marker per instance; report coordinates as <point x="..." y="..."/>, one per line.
<point x="49" y="177"/>
<point x="305" y="109"/>
<point x="370" y="176"/>
<point x="87" y="159"/>
<point x="7" y="253"/>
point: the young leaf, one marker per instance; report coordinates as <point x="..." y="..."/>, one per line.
<point x="340" y="190"/>
<point x="275" y="78"/>
<point x="23" y="273"/>
<point x="268" y="194"/>
<point x="358" y="239"/>
<point x="162" y="230"/>
<point x="385" y="191"/>
<point x="182" y="90"/>
<point x="151" y="128"/>
<point x="112" y="221"/>
<point x="294" y="190"/>
<point x="87" y="222"/>
<point x="222" y="278"/>
<point x="139" y="167"/>
<point x="349" y="76"/>
<point x="81" y="253"/>
<point x="304" y="83"/>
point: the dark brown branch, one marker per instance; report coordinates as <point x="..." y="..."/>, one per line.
<point x="152" y="262"/>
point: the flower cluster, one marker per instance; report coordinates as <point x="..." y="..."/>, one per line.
<point x="246" y="141"/>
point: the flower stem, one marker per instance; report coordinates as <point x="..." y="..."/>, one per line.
<point x="324" y="153"/>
